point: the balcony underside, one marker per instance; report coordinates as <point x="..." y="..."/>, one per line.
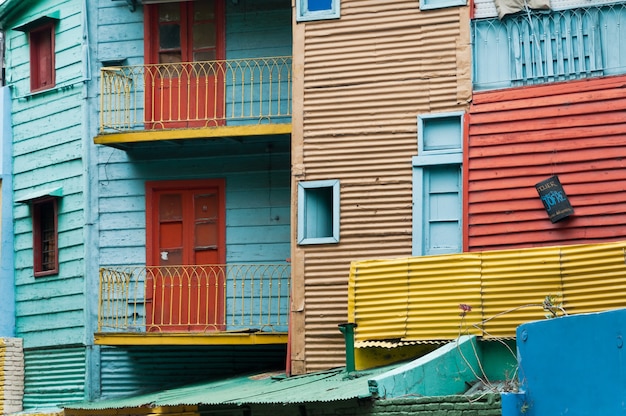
<point x="129" y="139"/>
<point x="176" y="338"/>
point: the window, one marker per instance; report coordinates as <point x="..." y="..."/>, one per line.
<point x="437" y="185"/>
<point x="42" y="75"/>
<point x="318" y="212"/>
<point x="440" y="4"/>
<point x="45" y="236"/>
<point x="317" y="10"/>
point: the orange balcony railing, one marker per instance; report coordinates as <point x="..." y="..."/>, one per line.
<point x="203" y="298"/>
<point x="196" y="94"/>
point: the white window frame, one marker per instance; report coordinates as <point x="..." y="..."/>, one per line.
<point x="304" y="237"/>
<point x="303" y="14"/>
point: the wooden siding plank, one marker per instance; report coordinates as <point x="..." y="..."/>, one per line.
<point x="576" y="131"/>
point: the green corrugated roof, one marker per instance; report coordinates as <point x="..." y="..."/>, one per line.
<point x="325" y="386"/>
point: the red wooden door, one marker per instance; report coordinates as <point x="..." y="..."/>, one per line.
<point x="184" y="42"/>
<point x="185" y="228"/>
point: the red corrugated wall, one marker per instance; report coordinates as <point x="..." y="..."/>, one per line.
<point x="518" y="137"/>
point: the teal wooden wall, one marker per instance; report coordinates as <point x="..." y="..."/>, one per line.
<point x="7" y="281"/>
<point x="48" y="152"/>
<point x="257" y="173"/>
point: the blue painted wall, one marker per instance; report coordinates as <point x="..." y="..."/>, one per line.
<point x="48" y="153"/>
<point x="257" y="175"/>
<point x="7" y="282"/>
<point x="573" y="365"/>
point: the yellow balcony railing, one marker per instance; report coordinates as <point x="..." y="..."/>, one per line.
<point x="196" y="94"/>
<point x="207" y="298"/>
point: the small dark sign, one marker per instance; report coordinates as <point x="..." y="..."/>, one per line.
<point x="554" y="199"/>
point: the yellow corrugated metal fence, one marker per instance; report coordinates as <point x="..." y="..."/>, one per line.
<point x="418" y="298"/>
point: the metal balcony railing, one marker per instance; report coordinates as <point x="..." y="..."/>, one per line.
<point x="196" y="94"/>
<point x="191" y="299"/>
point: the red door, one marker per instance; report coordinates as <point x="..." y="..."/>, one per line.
<point x="186" y="239"/>
<point x="184" y="78"/>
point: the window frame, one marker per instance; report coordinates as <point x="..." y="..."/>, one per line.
<point x="303" y="14"/>
<point x="450" y="156"/>
<point x="440" y="4"/>
<point x="302" y="233"/>
<point x="38" y="236"/>
<point x="36" y="47"/>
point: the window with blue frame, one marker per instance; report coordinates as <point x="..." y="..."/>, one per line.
<point x="440" y="4"/>
<point x="307" y="10"/>
<point x="318" y="212"/>
<point x="437" y="185"/>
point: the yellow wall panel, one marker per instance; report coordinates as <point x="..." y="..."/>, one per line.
<point x="417" y="299"/>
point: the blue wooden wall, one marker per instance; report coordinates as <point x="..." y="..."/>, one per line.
<point x="48" y="153"/>
<point x="257" y="175"/>
<point x="7" y="281"/>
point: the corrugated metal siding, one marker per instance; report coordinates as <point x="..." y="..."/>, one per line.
<point x="421" y="296"/>
<point x="519" y="137"/>
<point x="366" y="78"/>
<point x="139" y="369"/>
<point x="54" y="376"/>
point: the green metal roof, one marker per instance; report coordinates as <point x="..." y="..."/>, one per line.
<point x="327" y="386"/>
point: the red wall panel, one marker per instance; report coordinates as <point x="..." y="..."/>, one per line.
<point x="518" y="137"/>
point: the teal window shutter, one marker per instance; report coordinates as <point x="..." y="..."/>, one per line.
<point x="437" y="185"/>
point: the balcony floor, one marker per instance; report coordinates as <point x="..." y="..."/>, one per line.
<point x="179" y="338"/>
<point x="126" y="139"/>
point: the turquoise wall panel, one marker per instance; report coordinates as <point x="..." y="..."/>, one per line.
<point x="47" y="153"/>
<point x="53" y="376"/>
<point x="7" y="280"/>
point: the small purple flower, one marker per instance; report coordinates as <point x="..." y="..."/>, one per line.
<point x="465" y="308"/>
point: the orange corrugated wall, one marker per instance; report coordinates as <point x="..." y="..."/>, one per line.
<point x="518" y="137"/>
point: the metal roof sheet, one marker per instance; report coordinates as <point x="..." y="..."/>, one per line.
<point x="327" y="386"/>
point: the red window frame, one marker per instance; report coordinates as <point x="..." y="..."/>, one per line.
<point x="151" y="32"/>
<point x="42" y="62"/>
<point x="45" y="214"/>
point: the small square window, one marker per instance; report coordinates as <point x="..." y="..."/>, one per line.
<point x="45" y="237"/>
<point x="317" y="10"/>
<point x="318" y="212"/>
<point x="42" y="74"/>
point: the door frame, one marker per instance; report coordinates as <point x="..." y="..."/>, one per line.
<point x="152" y="219"/>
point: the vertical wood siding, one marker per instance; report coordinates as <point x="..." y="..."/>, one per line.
<point x="519" y="137"/>
<point x="366" y="78"/>
<point x="47" y="153"/>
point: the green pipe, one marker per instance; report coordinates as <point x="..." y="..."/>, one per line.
<point x="347" y="330"/>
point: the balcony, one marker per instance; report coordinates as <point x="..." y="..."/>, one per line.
<point x="199" y="305"/>
<point x="540" y="47"/>
<point x="195" y="100"/>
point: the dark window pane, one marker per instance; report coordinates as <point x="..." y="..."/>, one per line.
<point x="48" y="237"/>
<point x="169" y="37"/>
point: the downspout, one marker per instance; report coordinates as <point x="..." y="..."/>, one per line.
<point x="90" y="202"/>
<point x="347" y="329"/>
